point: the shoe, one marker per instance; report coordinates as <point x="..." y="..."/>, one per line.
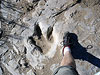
<point x="67" y="41"/>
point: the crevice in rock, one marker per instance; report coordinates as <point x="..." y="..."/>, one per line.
<point x="49" y="32"/>
<point x="1" y="32"/>
<point x="79" y="1"/>
<point x="68" y="7"/>
<point x="25" y="50"/>
<point x="31" y="7"/>
<point x="17" y="0"/>
<point x="34" y="43"/>
<point x="35" y="1"/>
<point x="26" y="65"/>
<point x="19" y="64"/>
<point x="37" y="31"/>
<point x="12" y="22"/>
<point x="2" y="69"/>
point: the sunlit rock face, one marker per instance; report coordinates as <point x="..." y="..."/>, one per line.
<point x="31" y="35"/>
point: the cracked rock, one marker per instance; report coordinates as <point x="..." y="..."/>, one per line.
<point x="34" y="30"/>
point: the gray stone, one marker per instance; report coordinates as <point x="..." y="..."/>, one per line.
<point x="3" y="49"/>
<point x="36" y="35"/>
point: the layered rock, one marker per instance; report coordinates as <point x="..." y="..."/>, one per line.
<point x="33" y="31"/>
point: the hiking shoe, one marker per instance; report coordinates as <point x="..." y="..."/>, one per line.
<point x="67" y="42"/>
<point x="67" y="39"/>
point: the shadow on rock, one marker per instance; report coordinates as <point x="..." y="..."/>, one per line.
<point x="79" y="52"/>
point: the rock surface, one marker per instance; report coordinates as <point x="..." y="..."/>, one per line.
<point x="33" y="31"/>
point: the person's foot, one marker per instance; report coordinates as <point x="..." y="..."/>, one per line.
<point x="67" y="42"/>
